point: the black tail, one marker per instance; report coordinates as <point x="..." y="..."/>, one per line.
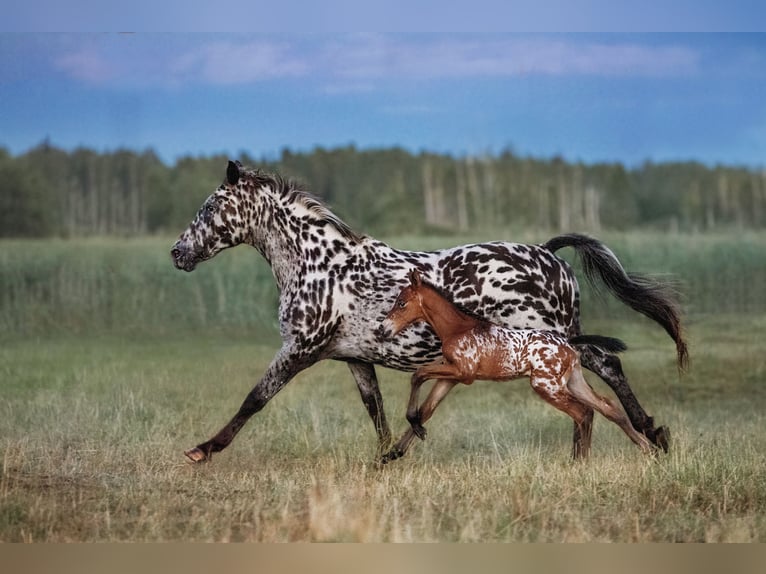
<point x="608" y="344"/>
<point x="642" y="294"/>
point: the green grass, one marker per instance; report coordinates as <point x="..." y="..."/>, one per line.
<point x="92" y="431"/>
<point x="129" y="285"/>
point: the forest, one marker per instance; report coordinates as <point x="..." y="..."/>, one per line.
<point x="50" y="192"/>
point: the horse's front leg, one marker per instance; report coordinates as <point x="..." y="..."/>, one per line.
<point x="285" y="365"/>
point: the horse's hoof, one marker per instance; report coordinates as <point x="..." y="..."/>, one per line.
<point x="662" y="438"/>
<point x="196" y="455"/>
<point x="420" y="431"/>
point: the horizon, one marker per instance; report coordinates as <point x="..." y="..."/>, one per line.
<point x="276" y="156"/>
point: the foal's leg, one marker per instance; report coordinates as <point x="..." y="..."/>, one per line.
<point x="438" y="392"/>
<point x="426" y="410"/>
<point x="553" y="392"/>
<point x="583" y="392"/>
<point x="415" y="413"/>
<point x="583" y="432"/>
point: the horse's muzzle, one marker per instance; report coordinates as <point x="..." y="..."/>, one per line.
<point x="182" y="258"/>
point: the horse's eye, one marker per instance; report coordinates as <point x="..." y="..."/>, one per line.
<point x="402" y="304"/>
<point x="210" y="208"/>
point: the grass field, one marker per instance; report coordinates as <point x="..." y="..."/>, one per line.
<point x="96" y="412"/>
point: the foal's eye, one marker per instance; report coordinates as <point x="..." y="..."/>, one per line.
<point x="402" y="304"/>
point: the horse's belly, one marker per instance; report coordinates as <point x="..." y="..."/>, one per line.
<point x="412" y="348"/>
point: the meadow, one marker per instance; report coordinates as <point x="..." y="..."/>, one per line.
<point x="112" y="363"/>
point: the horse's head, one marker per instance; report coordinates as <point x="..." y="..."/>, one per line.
<point x="219" y="223"/>
<point x="407" y="308"/>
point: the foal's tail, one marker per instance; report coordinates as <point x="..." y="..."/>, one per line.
<point x="608" y="344"/>
<point x="642" y="294"/>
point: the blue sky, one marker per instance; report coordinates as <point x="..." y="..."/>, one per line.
<point x="591" y="97"/>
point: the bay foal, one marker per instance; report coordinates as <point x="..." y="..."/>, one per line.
<point x="473" y="348"/>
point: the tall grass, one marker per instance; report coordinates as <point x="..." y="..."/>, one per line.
<point x="130" y="285"/>
<point x="713" y="273"/>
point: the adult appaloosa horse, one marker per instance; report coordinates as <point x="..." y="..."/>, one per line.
<point x="335" y="287"/>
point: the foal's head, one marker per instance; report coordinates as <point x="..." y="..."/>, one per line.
<point x="408" y="307"/>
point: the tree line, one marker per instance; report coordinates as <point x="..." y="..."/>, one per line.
<point x="48" y="191"/>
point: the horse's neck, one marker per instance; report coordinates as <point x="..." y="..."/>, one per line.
<point x="276" y="241"/>
<point x="445" y="318"/>
<point x="283" y="258"/>
<point x="287" y="245"/>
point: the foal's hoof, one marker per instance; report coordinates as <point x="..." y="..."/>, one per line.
<point x="196" y="455"/>
<point x="391" y="455"/>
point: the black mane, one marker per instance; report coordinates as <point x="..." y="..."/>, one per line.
<point x="295" y="193"/>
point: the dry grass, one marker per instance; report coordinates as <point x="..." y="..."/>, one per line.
<point x="92" y="431"/>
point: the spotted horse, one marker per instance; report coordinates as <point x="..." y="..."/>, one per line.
<point x="336" y="285"/>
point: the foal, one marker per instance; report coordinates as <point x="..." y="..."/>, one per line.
<point x="477" y="349"/>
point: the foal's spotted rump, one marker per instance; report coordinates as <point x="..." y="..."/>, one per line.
<point x="493" y="352"/>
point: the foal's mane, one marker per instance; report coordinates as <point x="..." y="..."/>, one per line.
<point x="295" y="193"/>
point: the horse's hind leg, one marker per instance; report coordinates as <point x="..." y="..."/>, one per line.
<point x="583" y="392"/>
<point x="609" y="368"/>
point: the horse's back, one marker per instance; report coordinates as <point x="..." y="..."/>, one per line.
<point x="515" y="285"/>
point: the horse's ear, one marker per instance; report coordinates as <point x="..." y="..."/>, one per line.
<point x="232" y="172"/>
<point x="415" y="279"/>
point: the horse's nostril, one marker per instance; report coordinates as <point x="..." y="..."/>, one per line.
<point x="175" y="253"/>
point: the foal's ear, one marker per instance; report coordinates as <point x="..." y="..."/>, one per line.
<point x="415" y="279"/>
<point x="232" y="172"/>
